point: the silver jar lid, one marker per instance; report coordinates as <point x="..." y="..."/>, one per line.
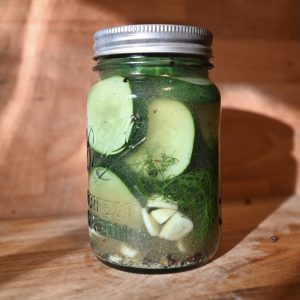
<point x="152" y="38"/>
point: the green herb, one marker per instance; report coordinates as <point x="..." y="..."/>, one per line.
<point x="195" y="195"/>
<point x="195" y="191"/>
<point x="156" y="167"/>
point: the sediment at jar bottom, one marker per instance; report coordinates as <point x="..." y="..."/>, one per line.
<point x="121" y="254"/>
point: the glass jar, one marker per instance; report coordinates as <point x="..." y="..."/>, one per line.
<point x="153" y="149"/>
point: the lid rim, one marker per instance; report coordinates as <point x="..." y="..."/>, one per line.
<point x="152" y="38"/>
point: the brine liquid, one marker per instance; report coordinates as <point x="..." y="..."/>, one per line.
<point x="119" y="233"/>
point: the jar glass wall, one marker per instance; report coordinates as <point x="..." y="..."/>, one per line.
<point x="153" y="162"/>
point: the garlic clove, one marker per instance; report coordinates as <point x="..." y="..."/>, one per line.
<point x="162" y="215"/>
<point x="128" y="252"/>
<point x="151" y="225"/>
<point x="157" y="201"/>
<point x="176" y="228"/>
<point x="181" y="246"/>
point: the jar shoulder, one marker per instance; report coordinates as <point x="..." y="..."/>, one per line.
<point x="197" y="90"/>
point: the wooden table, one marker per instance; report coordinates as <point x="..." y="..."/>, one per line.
<point x="259" y="258"/>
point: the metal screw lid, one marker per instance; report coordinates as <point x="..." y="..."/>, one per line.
<point x="153" y="38"/>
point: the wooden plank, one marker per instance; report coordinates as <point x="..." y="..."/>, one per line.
<point x="50" y="257"/>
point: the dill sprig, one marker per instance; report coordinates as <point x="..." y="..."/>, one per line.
<point x="195" y="191"/>
<point x="155" y="168"/>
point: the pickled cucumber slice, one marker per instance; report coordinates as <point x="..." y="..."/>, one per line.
<point x="170" y="133"/>
<point x="109" y="110"/>
<point x="140" y="119"/>
<point x="129" y="179"/>
<point x="112" y="201"/>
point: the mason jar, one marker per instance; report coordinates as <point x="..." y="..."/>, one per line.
<point x="153" y="148"/>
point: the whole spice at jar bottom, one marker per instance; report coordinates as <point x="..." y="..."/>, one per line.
<point x="195" y="258"/>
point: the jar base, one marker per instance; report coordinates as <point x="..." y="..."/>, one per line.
<point x="153" y="268"/>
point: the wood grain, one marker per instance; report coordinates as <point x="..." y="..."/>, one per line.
<point x="45" y="73"/>
<point x="50" y="258"/>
